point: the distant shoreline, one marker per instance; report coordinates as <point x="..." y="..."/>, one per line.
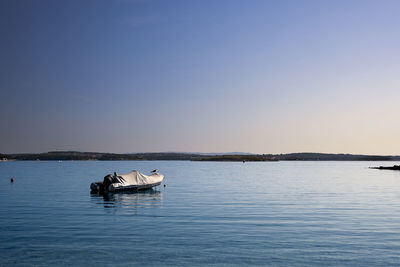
<point x="75" y="155"/>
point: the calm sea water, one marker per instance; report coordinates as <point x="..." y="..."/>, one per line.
<point x="210" y="213"/>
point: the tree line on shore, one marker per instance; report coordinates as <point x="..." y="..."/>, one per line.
<point x="75" y="155"/>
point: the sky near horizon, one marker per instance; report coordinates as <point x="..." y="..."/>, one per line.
<point x="200" y="76"/>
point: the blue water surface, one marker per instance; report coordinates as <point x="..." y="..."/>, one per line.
<point x="210" y="213"/>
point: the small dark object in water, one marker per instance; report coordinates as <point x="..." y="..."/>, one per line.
<point x="395" y="168"/>
<point x="155" y="170"/>
<point x="12" y="180"/>
<point x="165" y="185"/>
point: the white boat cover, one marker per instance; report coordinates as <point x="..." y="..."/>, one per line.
<point x="135" y="178"/>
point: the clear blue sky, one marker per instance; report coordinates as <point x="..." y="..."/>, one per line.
<point x="200" y="76"/>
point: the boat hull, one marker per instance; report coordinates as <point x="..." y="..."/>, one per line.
<point x="135" y="187"/>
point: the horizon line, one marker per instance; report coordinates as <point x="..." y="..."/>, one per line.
<point x="198" y="153"/>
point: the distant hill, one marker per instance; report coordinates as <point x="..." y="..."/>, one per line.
<point x="76" y="155"/>
<point x="327" y="156"/>
<point x="236" y="158"/>
<point x="228" y="153"/>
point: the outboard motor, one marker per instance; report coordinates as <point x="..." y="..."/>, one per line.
<point x="95" y="187"/>
<point x="101" y="187"/>
<point x="107" y="181"/>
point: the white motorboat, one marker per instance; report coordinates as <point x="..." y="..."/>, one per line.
<point x="132" y="181"/>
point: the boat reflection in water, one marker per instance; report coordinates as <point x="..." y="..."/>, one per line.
<point x="130" y="202"/>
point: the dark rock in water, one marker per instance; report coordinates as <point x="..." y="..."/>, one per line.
<point x="395" y="168"/>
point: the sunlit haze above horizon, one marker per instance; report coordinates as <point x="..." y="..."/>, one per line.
<point x="200" y="76"/>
